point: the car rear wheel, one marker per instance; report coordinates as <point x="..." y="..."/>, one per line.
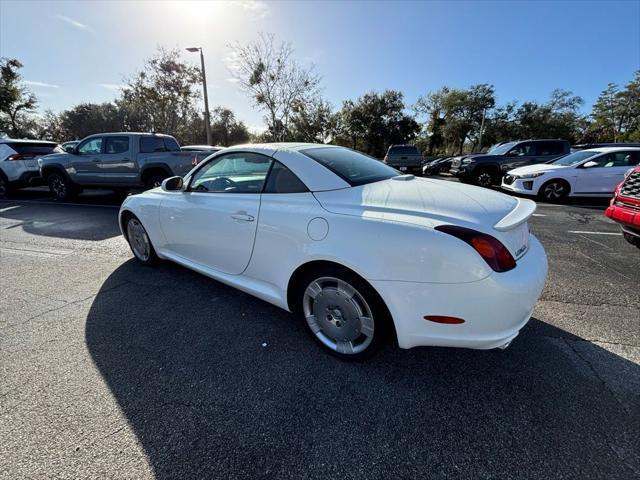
<point x="343" y="313"/>
<point x="61" y="187"/>
<point x="4" y="187"/>
<point x="154" y="180"/>
<point x="554" y="191"/>
<point x="140" y="242"/>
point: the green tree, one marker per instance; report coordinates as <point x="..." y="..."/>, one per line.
<point x="375" y="121"/>
<point x="16" y="102"/>
<point x="226" y="130"/>
<point x="161" y="97"/>
<point x="87" y="119"/>
<point x="616" y="113"/>
<point x="313" y="121"/>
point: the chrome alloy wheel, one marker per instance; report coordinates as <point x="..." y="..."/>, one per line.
<point x="554" y="191"/>
<point x="138" y="239"/>
<point x="338" y="315"/>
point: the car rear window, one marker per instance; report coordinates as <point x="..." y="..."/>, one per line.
<point x="158" y="144"/>
<point x="30" y="150"/>
<point x="353" y="167"/>
<point x="404" y="150"/>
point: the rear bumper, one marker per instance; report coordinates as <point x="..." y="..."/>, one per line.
<point x="29" y="178"/>
<point x="494" y="309"/>
<point x="413" y="169"/>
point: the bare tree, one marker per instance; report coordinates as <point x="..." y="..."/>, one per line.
<point x="273" y="79"/>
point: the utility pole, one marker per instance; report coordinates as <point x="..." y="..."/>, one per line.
<point x="207" y="116"/>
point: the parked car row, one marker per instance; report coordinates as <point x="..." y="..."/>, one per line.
<point x="107" y="160"/>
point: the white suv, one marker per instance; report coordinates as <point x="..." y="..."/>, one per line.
<point x="584" y="173"/>
<point x="19" y="162"/>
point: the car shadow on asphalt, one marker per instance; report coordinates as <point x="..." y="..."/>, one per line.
<point x="50" y="220"/>
<point x="218" y="384"/>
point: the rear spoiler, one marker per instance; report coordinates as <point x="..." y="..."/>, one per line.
<point x="520" y="214"/>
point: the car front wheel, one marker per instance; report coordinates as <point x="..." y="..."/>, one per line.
<point x="61" y="187"/>
<point x="344" y="314"/>
<point x="485" y="178"/>
<point x="632" y="239"/>
<point x="554" y="191"/>
<point x="140" y="242"/>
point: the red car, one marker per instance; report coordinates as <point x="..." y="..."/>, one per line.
<point x="625" y="207"/>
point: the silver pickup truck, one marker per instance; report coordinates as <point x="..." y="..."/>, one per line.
<point x="406" y="158"/>
<point x="115" y="160"/>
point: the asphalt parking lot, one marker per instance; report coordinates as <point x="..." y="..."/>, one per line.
<point x="109" y="369"/>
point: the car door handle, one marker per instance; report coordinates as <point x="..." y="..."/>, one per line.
<point x="95" y="160"/>
<point x="243" y="217"/>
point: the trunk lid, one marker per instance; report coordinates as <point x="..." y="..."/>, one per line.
<point x="429" y="202"/>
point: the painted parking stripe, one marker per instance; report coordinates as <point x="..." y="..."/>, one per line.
<point x="539" y="215"/>
<point x="594" y="233"/>
<point x="6" y="209"/>
<point x="51" y="202"/>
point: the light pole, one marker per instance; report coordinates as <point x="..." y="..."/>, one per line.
<point x="207" y="118"/>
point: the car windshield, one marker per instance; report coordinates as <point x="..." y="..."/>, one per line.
<point x="353" y="167"/>
<point x="574" y="158"/>
<point x="502" y="148"/>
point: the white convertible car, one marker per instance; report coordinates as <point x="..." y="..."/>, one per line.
<point x="362" y="253"/>
<point x="586" y="173"/>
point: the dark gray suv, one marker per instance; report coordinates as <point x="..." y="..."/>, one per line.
<point x="487" y="169"/>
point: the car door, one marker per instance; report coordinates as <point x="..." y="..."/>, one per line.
<point x="521" y="155"/>
<point x="600" y="175"/>
<point x="85" y="161"/>
<point x="213" y="223"/>
<point x="115" y="164"/>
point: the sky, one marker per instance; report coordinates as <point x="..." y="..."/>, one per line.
<point x="76" y="51"/>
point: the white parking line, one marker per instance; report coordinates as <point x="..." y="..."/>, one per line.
<point x="539" y="215"/>
<point x="594" y="233"/>
<point x="9" y="208"/>
<point x="44" y="202"/>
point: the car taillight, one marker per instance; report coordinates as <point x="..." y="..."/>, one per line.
<point x="15" y="156"/>
<point x="386" y="158"/>
<point x="489" y="248"/>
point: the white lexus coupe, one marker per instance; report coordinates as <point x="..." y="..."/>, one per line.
<point x="361" y="252"/>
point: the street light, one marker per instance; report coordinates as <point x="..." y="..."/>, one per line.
<point x="207" y="118"/>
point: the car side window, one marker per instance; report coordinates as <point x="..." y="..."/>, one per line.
<point x="152" y="144"/>
<point x="623" y="159"/>
<point x="237" y="172"/>
<point x="550" y="148"/>
<point x="522" y="150"/>
<point x="92" y="146"/>
<point x="116" y="145"/>
<point x="283" y="180"/>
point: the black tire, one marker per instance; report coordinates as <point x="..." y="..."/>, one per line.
<point x="485" y="178"/>
<point x="61" y="187"/>
<point x="5" y="187"/>
<point x="632" y="239"/>
<point x="381" y="322"/>
<point x="139" y="241"/>
<point x="554" y="191"/>
<point x="154" y="179"/>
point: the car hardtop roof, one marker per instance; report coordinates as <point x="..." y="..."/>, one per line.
<point x="25" y="140"/>
<point x="278" y="146"/>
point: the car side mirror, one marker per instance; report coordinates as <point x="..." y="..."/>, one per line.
<point x="172" y="184"/>
<point x="590" y="164"/>
<point x="70" y="149"/>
